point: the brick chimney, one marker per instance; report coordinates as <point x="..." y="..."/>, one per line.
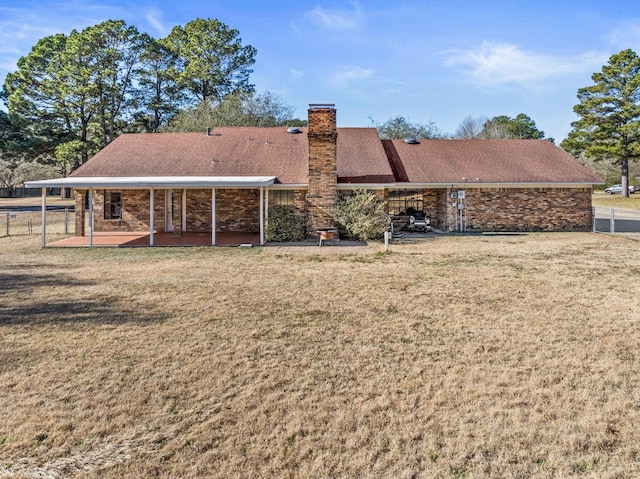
<point x="323" y="168"/>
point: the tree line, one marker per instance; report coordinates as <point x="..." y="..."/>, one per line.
<point x="501" y="127"/>
<point x="607" y="131"/>
<point x="74" y="94"/>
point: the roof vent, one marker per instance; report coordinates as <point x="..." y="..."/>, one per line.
<point x="293" y="129"/>
<point x="411" y="141"/>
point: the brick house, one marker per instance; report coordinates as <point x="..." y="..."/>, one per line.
<point x="229" y="177"/>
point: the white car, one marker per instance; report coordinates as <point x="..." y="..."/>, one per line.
<point x="617" y="189"/>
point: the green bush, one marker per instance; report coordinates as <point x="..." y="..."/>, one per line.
<point x="285" y="224"/>
<point x="361" y="215"/>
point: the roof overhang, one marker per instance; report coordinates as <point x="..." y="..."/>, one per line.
<point x="133" y="182"/>
<point x="473" y="184"/>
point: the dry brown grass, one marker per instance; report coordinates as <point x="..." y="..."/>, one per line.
<point x="479" y="356"/>
<point x="600" y="198"/>
<point x="35" y="201"/>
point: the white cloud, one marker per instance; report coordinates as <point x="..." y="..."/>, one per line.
<point x="503" y="64"/>
<point x="348" y="76"/>
<point x="153" y="17"/>
<point x="296" y="74"/>
<point x="626" y="36"/>
<point x="336" y="19"/>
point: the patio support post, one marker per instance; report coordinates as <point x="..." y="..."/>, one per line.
<point x="213" y="216"/>
<point x="266" y="207"/>
<point x="261" y="216"/>
<point x="151" y="218"/>
<point x="90" y="216"/>
<point x="184" y="210"/>
<point x="44" y="217"/>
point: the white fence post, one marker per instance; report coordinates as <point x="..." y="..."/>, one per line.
<point x="612" y="221"/>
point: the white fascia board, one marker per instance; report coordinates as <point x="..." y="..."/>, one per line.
<point x="289" y="186"/>
<point x="155" y="182"/>
<point x="368" y="186"/>
<point x="473" y="184"/>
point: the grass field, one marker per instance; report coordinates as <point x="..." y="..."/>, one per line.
<point x="511" y="356"/>
<point x="600" y="198"/>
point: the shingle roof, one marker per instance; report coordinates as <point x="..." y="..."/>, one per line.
<point x="238" y="151"/>
<point x="490" y="161"/>
<point x="362" y="158"/>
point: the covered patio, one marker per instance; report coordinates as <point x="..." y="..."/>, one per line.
<point x="156" y="187"/>
<point x="142" y="238"/>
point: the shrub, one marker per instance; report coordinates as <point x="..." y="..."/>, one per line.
<point x="361" y="215"/>
<point x="285" y="224"/>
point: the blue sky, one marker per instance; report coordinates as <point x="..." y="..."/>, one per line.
<point x="439" y="60"/>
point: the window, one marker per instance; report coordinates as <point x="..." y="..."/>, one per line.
<point x="405" y="202"/>
<point x="113" y="205"/>
<point x="284" y="198"/>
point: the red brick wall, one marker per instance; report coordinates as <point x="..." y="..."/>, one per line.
<point x="199" y="210"/>
<point x="135" y="211"/>
<point x="79" y="209"/>
<point x="236" y="210"/>
<point x="522" y="209"/>
<point x="487" y="209"/>
<point x="323" y="170"/>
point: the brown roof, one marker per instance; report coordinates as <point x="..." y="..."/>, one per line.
<point x="362" y="158"/>
<point x="490" y="161"/>
<point x="238" y="151"/>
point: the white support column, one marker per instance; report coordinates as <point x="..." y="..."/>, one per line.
<point x="266" y="207"/>
<point x="44" y="217"/>
<point x="261" y="216"/>
<point x="184" y="210"/>
<point x="90" y="216"/>
<point x="213" y="216"/>
<point x="151" y="215"/>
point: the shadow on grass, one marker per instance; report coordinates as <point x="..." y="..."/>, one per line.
<point x="26" y="301"/>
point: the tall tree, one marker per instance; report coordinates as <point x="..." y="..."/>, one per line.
<point x="609" y="115"/>
<point x="211" y="59"/>
<point x="237" y="109"/>
<point x="13" y="142"/>
<point x="76" y="88"/>
<point x="159" y="96"/>
<point x="114" y="53"/>
<point x="521" y="127"/>
<point x="499" y="127"/>
<point x="74" y="94"/>
<point x="524" y="128"/>
<point x="37" y="100"/>
<point x="470" y="128"/>
<point x="399" y="127"/>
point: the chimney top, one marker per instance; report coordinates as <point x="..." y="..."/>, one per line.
<point x="313" y="106"/>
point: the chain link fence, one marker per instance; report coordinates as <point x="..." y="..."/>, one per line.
<point x="616" y="221"/>
<point x="21" y="223"/>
